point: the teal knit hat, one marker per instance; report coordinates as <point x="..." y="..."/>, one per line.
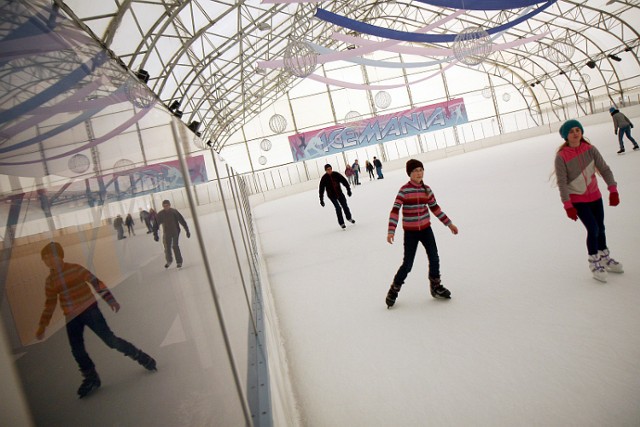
<point x="567" y="126"/>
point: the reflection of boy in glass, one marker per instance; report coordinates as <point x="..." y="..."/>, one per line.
<point x="68" y="283"/>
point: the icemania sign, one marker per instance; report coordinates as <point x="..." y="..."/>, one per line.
<point x="402" y="124"/>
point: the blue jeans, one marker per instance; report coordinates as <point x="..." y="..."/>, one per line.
<point x="625" y="131"/>
<point x="592" y="216"/>
<point x="411" y="240"/>
<point x="341" y="201"/>
<point x="92" y="317"/>
<point x="379" y="172"/>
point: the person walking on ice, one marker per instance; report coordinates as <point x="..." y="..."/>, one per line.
<point x="416" y="200"/>
<point x="330" y="182"/>
<point x="621" y="127"/>
<point x="70" y="284"/>
<point x="576" y="165"/>
<point x="171" y="221"/>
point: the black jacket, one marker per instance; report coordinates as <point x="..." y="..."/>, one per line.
<point x="331" y="182"/>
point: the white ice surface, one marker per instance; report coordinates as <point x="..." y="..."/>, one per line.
<point x="529" y="338"/>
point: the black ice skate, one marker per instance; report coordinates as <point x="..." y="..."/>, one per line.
<point x="144" y="360"/>
<point x="437" y="290"/>
<point x="91" y="382"/>
<point x="392" y="295"/>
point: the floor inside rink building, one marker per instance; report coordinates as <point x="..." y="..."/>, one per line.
<point x="528" y="338"/>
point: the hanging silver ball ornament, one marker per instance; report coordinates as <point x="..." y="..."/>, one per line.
<point x="265" y="145"/>
<point x="78" y="163"/>
<point x="277" y="123"/>
<point x="486" y="92"/>
<point x="122" y="165"/>
<point x="138" y="94"/>
<point x="472" y="46"/>
<point x="382" y="99"/>
<point x="560" y="51"/>
<point x="300" y="59"/>
<point x="352" y="116"/>
<point x="506" y="97"/>
<point x="262" y="160"/>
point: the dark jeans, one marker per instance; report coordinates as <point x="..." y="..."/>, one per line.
<point x="171" y="243"/>
<point x="356" y="177"/>
<point x="341" y="201"/>
<point x="625" y="131"/>
<point x="592" y="216"/>
<point x="379" y="172"/>
<point x="411" y="240"/>
<point x="371" y="176"/>
<point x="93" y="318"/>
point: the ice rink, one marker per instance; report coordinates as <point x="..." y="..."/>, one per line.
<point x="529" y="337"/>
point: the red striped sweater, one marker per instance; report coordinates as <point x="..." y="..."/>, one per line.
<point x="415" y="200"/>
<point x="70" y="286"/>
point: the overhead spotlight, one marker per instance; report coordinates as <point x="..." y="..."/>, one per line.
<point x="178" y="114"/>
<point x="611" y="2"/>
<point x="538" y="82"/>
<point x="263" y="26"/>
<point x="351" y="47"/>
<point x="627" y="49"/>
<point x="615" y="57"/>
<point x="193" y="126"/>
<point x="143" y="75"/>
<point x="591" y="64"/>
<point x="561" y="73"/>
<point x="174" y="105"/>
<point x="533" y="84"/>
<point x="209" y="144"/>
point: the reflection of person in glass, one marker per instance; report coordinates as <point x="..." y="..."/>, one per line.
<point x="69" y="283"/>
<point x="171" y="221"/>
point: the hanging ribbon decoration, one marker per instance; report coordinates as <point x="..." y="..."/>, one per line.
<point x="387" y="33"/>
<point x="481" y="4"/>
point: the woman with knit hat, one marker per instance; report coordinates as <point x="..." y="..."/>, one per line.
<point x="621" y="127"/>
<point x="576" y="164"/>
<point x="416" y="200"/>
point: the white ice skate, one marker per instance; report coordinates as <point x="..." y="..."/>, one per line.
<point x="599" y="272"/>
<point x="609" y="264"/>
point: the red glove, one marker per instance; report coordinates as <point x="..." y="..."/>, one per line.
<point x="572" y="213"/>
<point x="614" y="199"/>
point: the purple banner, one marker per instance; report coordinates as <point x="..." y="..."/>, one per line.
<point x="376" y="130"/>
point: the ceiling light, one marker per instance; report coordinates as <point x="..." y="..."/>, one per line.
<point x="591" y="64"/>
<point x="615" y="57"/>
<point x="263" y="26"/>
<point x="174" y="105"/>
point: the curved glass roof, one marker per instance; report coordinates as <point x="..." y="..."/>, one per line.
<point x="206" y="56"/>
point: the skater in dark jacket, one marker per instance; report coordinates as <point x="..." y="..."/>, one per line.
<point x="171" y="221"/>
<point x="70" y="284"/>
<point x="416" y="200"/>
<point x="576" y="165"/>
<point x="621" y="127"/>
<point x="330" y="182"/>
<point x="129" y="223"/>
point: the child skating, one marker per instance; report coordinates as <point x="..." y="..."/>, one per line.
<point x="576" y="164"/>
<point x="416" y="200"/>
<point x="70" y="283"/>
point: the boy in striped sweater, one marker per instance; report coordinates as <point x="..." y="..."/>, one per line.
<point x="416" y="200"/>
<point x="69" y="283"/>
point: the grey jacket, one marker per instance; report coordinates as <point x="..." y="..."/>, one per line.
<point x="620" y="121"/>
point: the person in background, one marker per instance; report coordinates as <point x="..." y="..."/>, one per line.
<point x="330" y="182"/>
<point x="70" y="284"/>
<point x="144" y="218"/>
<point x="378" y="165"/>
<point x="171" y="220"/>
<point x="622" y="126"/>
<point x="118" y="224"/>
<point x="369" y="168"/>
<point x="576" y="165"/>
<point x="348" y="172"/>
<point x="129" y="223"/>
<point x="356" y="171"/>
<point x="416" y="200"/>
